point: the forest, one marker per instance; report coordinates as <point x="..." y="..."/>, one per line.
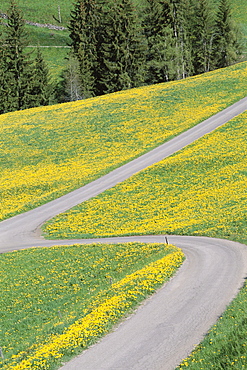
<point x="113" y="47"/>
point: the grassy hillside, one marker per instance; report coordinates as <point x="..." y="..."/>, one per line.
<point x="44" y="11"/>
<point x="63" y="298"/>
<point x="45" y="152"/>
<point x="48" y="12"/>
<point x="201" y="190"/>
<point x="49" y="151"/>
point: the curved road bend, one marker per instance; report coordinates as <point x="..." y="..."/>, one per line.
<point x="166" y="328"/>
<point x="174" y="320"/>
<point x="22" y="231"/>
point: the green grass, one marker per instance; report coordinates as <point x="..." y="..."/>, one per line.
<point x="44" y="11"/>
<point x="225" y="346"/>
<point x="239" y="11"/>
<point x="46" y="290"/>
<point x="47" y="11"/>
<point x="201" y="190"/>
<point x="48" y="151"/>
<point x="47" y="37"/>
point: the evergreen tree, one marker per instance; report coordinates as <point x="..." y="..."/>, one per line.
<point x="181" y="11"/>
<point x="16" y="61"/>
<point x="161" y="53"/>
<point x="121" y="48"/>
<point x="203" y="29"/>
<point x="83" y="33"/>
<point x="3" y="82"/>
<point x="226" y="42"/>
<point x="39" y="89"/>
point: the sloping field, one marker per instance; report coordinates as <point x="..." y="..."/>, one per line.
<point x="43" y="12"/>
<point x="52" y="150"/>
<point x="201" y="190"/>
<point x="56" y="301"/>
<point x="49" y="151"/>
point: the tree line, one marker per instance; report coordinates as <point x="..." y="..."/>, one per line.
<point x="113" y="47"/>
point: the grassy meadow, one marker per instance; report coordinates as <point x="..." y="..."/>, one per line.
<point x="49" y="151"/>
<point x="42" y="12"/>
<point x="45" y="149"/>
<point x="57" y="301"/>
<point x="201" y="190"/>
<point x="48" y="12"/>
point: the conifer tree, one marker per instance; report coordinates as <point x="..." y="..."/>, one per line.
<point x="83" y="33"/>
<point x="3" y="83"/>
<point x="203" y="34"/>
<point x="121" y="48"/>
<point x="226" y="42"/>
<point x="39" y="89"/>
<point x="181" y="24"/>
<point x="16" y="61"/>
<point x="161" y="53"/>
<point x="23" y="82"/>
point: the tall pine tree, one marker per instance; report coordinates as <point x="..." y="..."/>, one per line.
<point x="39" y="90"/>
<point x="226" y="42"/>
<point x="24" y="82"/>
<point x="3" y="78"/>
<point x="83" y="33"/>
<point x="181" y="25"/>
<point x="203" y="36"/>
<point x="121" y="48"/>
<point x="161" y="53"/>
<point x="16" y="61"/>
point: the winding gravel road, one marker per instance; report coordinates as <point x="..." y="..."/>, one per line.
<point x="167" y="326"/>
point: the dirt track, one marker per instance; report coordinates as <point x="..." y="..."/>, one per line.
<point x="166" y="328"/>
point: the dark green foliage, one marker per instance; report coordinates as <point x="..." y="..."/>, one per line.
<point x="181" y="25"/>
<point x="121" y="49"/>
<point x="3" y="82"/>
<point x="16" y="63"/>
<point x="23" y="84"/>
<point x="167" y="27"/>
<point x="187" y="37"/>
<point x="226" y="40"/>
<point x="177" y="39"/>
<point x="113" y="47"/>
<point x="108" y="45"/>
<point x="161" y="54"/>
<point x="39" y="89"/>
<point x="83" y="28"/>
<point x="203" y="36"/>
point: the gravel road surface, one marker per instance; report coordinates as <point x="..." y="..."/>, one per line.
<point x="165" y="329"/>
<point x="167" y="326"/>
<point x="23" y="230"/>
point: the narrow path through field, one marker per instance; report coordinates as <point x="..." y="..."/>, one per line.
<point x="168" y="325"/>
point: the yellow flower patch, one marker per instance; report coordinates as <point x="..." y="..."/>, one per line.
<point x="199" y="190"/>
<point x="49" y="151"/>
<point x="107" y="306"/>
